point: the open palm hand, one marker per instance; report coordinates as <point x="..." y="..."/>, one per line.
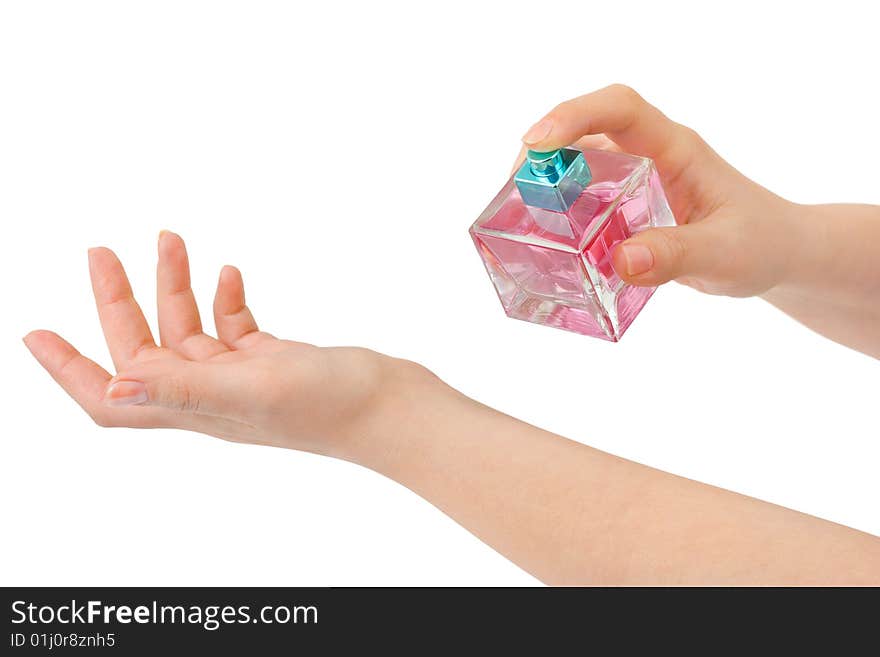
<point x="244" y="385"/>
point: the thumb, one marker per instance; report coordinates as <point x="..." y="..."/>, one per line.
<point x="660" y="255"/>
<point x="178" y="385"/>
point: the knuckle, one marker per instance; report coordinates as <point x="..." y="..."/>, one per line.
<point x="673" y="248"/>
<point x="688" y="135"/>
<point x="625" y="93"/>
<point x="561" y="110"/>
<point x="66" y="367"/>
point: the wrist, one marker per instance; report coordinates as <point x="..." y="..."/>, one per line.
<point x="801" y="251"/>
<point x="788" y="246"/>
<point x="395" y="414"/>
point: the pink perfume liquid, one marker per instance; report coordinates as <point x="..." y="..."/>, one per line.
<point x="554" y="268"/>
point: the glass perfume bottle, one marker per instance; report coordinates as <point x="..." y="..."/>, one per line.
<point x="547" y="238"/>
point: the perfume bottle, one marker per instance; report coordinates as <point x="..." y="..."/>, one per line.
<point x="547" y="238"/>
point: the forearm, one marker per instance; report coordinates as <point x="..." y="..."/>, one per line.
<point x="832" y="280"/>
<point x="570" y="514"/>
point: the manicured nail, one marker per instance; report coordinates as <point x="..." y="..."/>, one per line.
<point x="638" y="258"/>
<point x="538" y="132"/>
<point x="125" y="393"/>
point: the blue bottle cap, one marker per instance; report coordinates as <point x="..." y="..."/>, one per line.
<point x="552" y="180"/>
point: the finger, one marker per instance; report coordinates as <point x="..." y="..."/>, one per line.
<point x="625" y="117"/>
<point x="125" y="329"/>
<point x="597" y="142"/>
<point x="182" y="386"/>
<point x="180" y="327"/>
<point x="83" y="379"/>
<point x="235" y="323"/>
<point x="663" y="254"/>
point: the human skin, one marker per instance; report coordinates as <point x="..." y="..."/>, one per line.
<point x="817" y="263"/>
<point x="565" y="512"/>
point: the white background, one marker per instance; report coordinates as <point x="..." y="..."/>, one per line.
<point x="319" y="147"/>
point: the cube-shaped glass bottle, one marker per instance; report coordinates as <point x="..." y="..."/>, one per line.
<point x="547" y="237"/>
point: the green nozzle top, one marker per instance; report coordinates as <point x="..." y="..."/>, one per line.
<point x="546" y="163"/>
<point x="541" y="155"/>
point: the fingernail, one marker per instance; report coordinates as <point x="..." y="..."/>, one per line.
<point x="538" y="132"/>
<point x="163" y="234"/>
<point x="638" y="258"/>
<point x="228" y="271"/>
<point x="125" y="393"/>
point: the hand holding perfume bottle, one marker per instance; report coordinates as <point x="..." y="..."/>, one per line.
<point x="733" y="237"/>
<point x="725" y="222"/>
<point x="537" y="498"/>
